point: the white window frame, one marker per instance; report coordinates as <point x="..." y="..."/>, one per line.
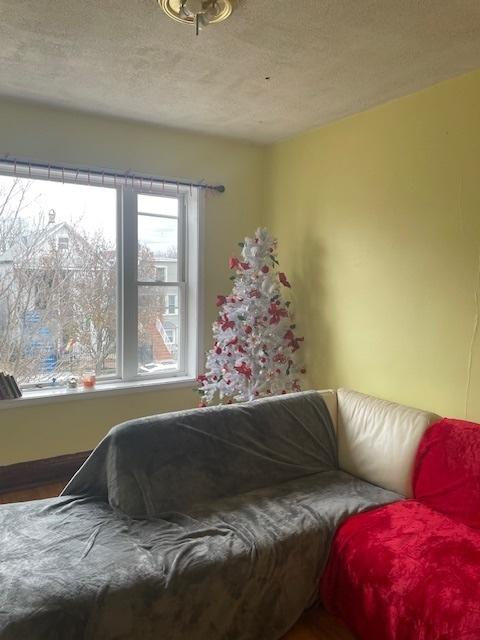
<point x="189" y="276"/>
<point x="187" y="283"/>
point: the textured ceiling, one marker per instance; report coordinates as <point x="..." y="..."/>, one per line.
<point x="325" y="59"/>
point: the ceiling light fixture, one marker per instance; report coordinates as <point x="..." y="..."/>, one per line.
<point x="198" y="13"/>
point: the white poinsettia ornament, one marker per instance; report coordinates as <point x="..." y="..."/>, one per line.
<point x="253" y="354"/>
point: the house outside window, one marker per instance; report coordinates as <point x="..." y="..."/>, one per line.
<point x="89" y="284"/>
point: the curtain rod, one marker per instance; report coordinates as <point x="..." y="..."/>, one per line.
<point x="99" y="174"/>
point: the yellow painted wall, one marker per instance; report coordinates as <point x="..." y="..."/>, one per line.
<point x="55" y="136"/>
<point x="378" y="218"/>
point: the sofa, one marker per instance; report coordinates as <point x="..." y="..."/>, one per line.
<point x="206" y="524"/>
<point x="410" y="570"/>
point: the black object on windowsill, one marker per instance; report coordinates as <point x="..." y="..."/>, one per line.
<point x="9" y="389"/>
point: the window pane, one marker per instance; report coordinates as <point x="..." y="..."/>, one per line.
<point x="157" y="249"/>
<point x="58" y="273"/>
<point x="158" y="329"/>
<point x="158" y="204"/>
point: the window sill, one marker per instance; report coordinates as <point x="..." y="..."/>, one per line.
<point x="46" y="396"/>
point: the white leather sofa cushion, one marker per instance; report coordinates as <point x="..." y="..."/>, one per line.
<point x="330" y="398"/>
<point x="378" y="440"/>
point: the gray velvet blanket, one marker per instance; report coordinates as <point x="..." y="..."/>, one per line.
<point x="202" y="525"/>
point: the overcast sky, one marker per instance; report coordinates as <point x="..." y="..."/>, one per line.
<point x="94" y="209"/>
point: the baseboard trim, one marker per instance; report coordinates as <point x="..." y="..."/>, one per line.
<point x="25" y="475"/>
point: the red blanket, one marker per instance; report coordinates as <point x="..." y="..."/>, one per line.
<point x="411" y="570"/>
<point x="447" y="470"/>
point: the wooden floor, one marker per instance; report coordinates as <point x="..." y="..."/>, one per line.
<point x="315" y="624"/>
<point x="34" y="493"/>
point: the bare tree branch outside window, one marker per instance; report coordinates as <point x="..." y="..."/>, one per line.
<point x="58" y="287"/>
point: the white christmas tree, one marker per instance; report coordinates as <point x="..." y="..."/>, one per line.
<point x="254" y="334"/>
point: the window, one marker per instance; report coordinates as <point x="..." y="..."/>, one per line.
<point x="172" y="304"/>
<point x="170" y="334"/>
<point x="89" y="271"/>
<point x="161" y="274"/>
<point x="63" y="243"/>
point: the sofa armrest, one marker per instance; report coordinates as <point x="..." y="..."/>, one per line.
<point x="330" y="398"/>
<point x="378" y="440"/>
